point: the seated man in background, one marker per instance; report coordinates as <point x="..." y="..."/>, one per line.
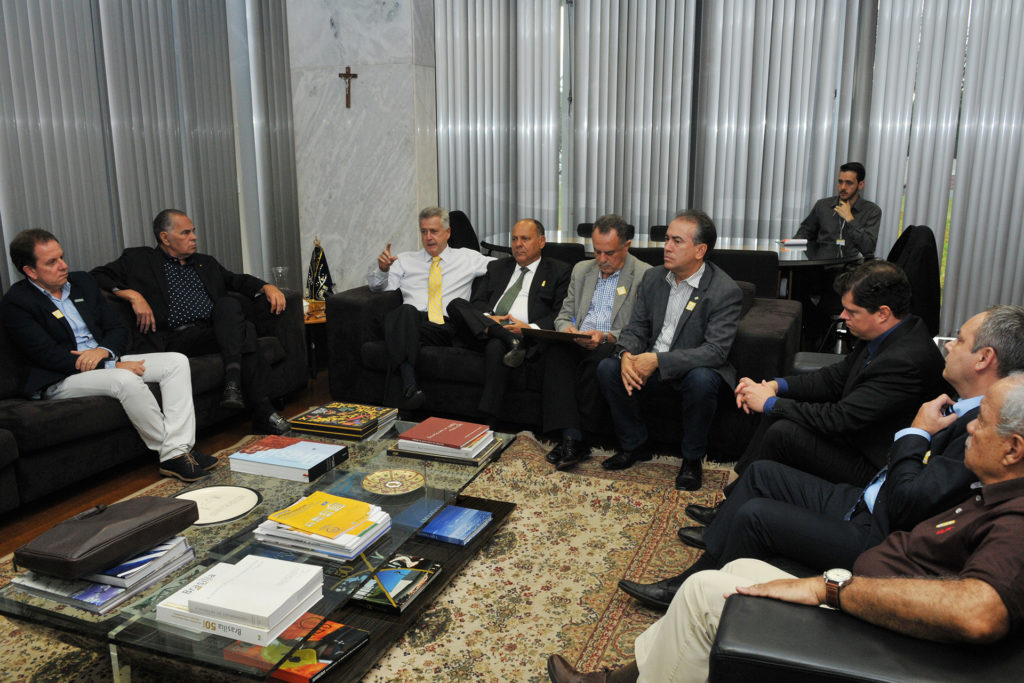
<point x="846" y="217"/>
<point x="837" y="423"/>
<point x="958" y="585"/>
<point x="429" y="279"/>
<point x="599" y="304"/>
<point x="182" y="303"/>
<point x="522" y="291"/>
<point x="683" y="325"/>
<point x="775" y="511"/>
<point x="73" y="343"/>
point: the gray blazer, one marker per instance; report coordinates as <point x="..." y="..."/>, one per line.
<point x="705" y="331"/>
<point x="581" y="291"/>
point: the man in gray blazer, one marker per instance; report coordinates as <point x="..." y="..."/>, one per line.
<point x="599" y="304"/>
<point x="676" y="344"/>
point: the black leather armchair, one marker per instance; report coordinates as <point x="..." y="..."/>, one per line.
<point x="768" y="641"/>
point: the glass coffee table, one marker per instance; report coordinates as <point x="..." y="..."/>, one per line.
<point x="132" y="631"/>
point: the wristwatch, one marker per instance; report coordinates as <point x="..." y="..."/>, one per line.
<point x="834" y="580"/>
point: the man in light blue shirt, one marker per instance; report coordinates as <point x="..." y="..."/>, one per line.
<point x="74" y="344"/>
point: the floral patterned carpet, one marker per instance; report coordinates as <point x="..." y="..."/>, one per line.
<point x="545" y="583"/>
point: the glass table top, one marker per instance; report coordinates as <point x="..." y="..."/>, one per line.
<point x="134" y="624"/>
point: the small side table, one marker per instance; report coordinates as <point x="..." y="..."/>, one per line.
<point x="316" y="334"/>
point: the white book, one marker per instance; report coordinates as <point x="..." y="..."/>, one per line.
<point x="287" y="457"/>
<point x="179" y="615"/>
<point x="259" y="592"/>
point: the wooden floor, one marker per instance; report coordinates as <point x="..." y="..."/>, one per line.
<point x="21" y="525"/>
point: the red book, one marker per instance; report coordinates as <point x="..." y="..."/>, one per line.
<point x="442" y="432"/>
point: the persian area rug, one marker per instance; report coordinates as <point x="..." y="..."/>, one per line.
<point x="545" y="583"/>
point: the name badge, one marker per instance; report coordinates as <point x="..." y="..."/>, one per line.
<point x="78" y="301"/>
<point x="57" y="314"/>
<point x="691" y="305"/>
<point x="621" y="291"/>
<point x="840" y="243"/>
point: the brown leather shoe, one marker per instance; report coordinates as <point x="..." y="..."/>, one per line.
<point x="560" y="671"/>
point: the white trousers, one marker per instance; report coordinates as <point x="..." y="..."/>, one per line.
<point x="677" y="646"/>
<point x="171" y="432"/>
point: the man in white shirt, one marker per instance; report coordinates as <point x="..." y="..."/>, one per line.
<point x="429" y="278"/>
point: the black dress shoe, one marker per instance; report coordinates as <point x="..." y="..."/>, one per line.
<point x="626" y="459"/>
<point x="271" y="424"/>
<point x="561" y="671"/>
<point x="657" y="594"/>
<point x="690" y="477"/>
<point x="692" y="536"/>
<point x="573" y="453"/>
<point x="207" y="462"/>
<point x="516" y="354"/>
<point x="702" y="514"/>
<point x="232" y="397"/>
<point x="183" y="467"/>
<point x="555" y="454"/>
<point x="412" y="398"/>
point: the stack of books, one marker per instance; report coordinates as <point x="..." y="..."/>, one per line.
<point x="345" y="420"/>
<point x="328" y="526"/>
<point x="99" y="593"/>
<point x="437" y="438"/>
<point x="455" y="524"/>
<point x="254" y="600"/>
<point x="394" y="586"/>
<point x="286" y="457"/>
<point x="329" y="645"/>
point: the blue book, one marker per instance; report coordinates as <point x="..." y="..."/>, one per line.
<point x="456" y="524"/>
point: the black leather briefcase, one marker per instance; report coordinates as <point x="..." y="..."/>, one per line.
<point x="104" y="536"/>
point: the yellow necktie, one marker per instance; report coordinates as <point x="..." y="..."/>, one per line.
<point x="434" y="310"/>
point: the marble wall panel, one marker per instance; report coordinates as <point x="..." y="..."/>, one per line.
<point x="423" y="32"/>
<point x="331" y="32"/>
<point x="425" y="136"/>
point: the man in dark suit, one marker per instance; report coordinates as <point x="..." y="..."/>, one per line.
<point x="599" y="304"/>
<point x="74" y="344"/>
<point x="684" y="322"/>
<point x="776" y="511"/>
<point x="837" y="423"/>
<point x="181" y="302"/>
<point x="523" y="291"/>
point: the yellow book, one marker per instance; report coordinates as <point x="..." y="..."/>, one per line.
<point x="323" y="514"/>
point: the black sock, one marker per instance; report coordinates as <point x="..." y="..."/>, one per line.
<point x="233" y="373"/>
<point x="408" y="375"/>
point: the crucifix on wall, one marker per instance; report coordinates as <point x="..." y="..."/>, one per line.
<point x="348" y="76"/>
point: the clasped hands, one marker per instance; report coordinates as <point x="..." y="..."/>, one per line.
<point x="513" y="325"/>
<point x="637" y="369"/>
<point x="751" y="395"/>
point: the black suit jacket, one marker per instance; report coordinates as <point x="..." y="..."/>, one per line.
<point x="867" y="402"/>
<point x="549" y="287"/>
<point x="913" y="490"/>
<point x="46" y="340"/>
<point x="142" y="269"/>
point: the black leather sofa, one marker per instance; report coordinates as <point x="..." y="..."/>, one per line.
<point x="775" y="642"/>
<point x="48" y="445"/>
<point x="451" y="377"/>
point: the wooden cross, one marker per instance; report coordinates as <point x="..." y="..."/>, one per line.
<point x="348" y="76"/>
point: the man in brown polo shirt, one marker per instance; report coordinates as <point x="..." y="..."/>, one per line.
<point x="952" y="578"/>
